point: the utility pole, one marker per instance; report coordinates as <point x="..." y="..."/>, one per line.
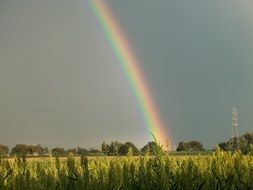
<point x="235" y="132"/>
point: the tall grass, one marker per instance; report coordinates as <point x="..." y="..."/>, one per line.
<point x="220" y="170"/>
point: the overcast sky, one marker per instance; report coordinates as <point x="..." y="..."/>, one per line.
<point x="62" y="85"/>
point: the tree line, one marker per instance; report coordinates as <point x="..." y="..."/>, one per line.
<point x="38" y="150"/>
<point x="243" y="143"/>
<point x="116" y="148"/>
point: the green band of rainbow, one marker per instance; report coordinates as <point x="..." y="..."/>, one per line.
<point x="131" y="68"/>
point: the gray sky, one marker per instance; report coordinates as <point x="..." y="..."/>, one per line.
<point x="62" y="85"/>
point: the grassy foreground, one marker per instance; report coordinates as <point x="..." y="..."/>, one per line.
<point x="220" y="170"/>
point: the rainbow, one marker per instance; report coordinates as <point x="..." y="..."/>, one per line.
<point x="132" y="69"/>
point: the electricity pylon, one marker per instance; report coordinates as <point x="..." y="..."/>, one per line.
<point x="235" y="133"/>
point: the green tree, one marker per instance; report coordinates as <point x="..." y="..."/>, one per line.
<point x="124" y="149"/>
<point x="20" y="149"/>
<point x="190" y="146"/>
<point x="149" y="148"/>
<point x="71" y="150"/>
<point x="58" y="151"/>
<point x="37" y="150"/>
<point x="135" y="150"/>
<point x="244" y="142"/>
<point x="223" y="146"/>
<point x="82" y="151"/>
<point x="4" y="150"/>
<point x="248" y="138"/>
<point x="182" y="146"/>
<point x="195" y="146"/>
<point x="105" y="148"/>
<point x="114" y="148"/>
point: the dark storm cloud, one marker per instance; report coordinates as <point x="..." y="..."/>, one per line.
<point x="61" y="83"/>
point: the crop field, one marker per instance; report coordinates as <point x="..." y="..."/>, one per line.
<point x="219" y="170"/>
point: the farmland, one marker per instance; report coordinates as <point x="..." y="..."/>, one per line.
<point x="218" y="170"/>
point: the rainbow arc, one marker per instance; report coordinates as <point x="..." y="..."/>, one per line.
<point x="131" y="68"/>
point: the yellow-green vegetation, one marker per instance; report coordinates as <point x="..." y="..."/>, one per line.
<point x="219" y="170"/>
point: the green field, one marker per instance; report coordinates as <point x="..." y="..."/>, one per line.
<point x="219" y="170"/>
